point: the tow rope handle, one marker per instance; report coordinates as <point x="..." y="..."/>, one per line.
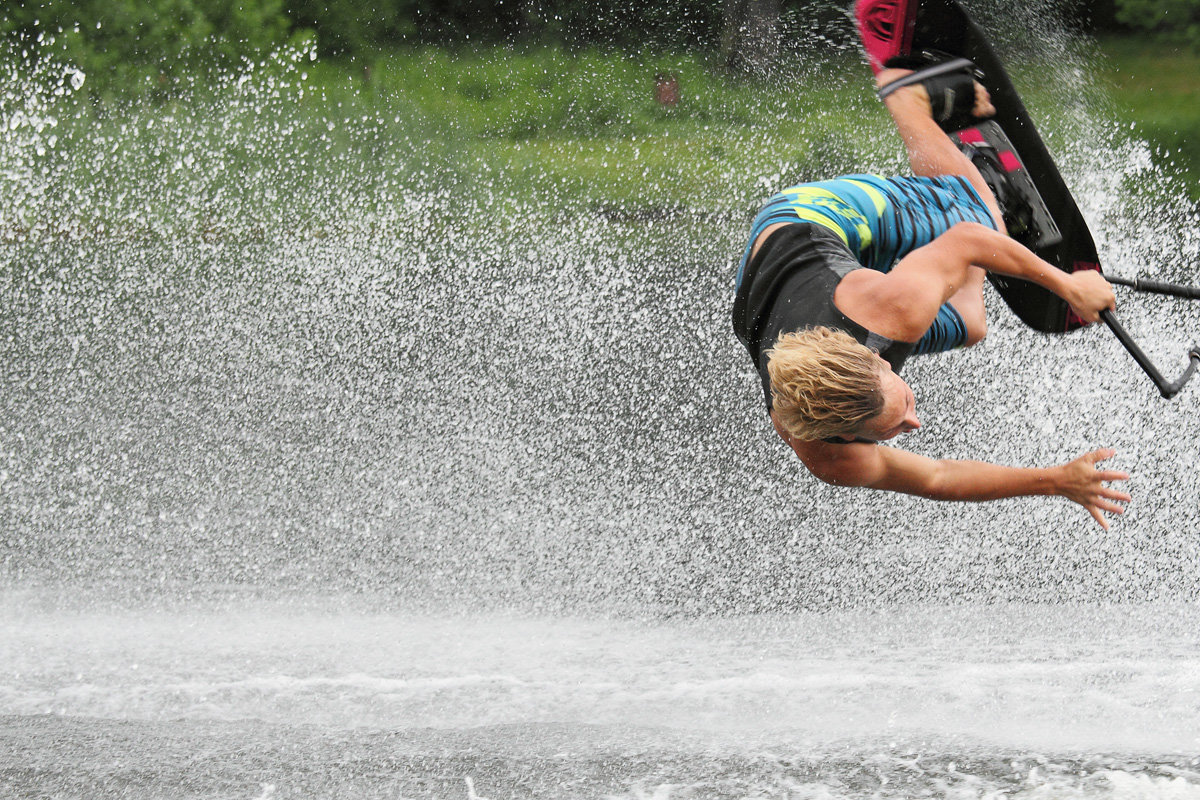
<point x="1167" y="389"/>
<point x="1157" y="287"/>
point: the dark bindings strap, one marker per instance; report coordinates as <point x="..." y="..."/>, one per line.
<point x="1015" y="208"/>
<point x="1026" y="216"/>
<point x="950" y="84"/>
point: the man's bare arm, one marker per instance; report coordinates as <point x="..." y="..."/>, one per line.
<point x="969" y="243"/>
<point x="894" y="470"/>
<point x="902" y="303"/>
<point x="1078" y="480"/>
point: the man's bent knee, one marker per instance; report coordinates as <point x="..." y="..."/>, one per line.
<point x="975" y="321"/>
<point x="975" y="334"/>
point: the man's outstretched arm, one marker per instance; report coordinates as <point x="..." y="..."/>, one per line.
<point x="887" y="468"/>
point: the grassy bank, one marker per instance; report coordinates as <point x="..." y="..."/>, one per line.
<point x="571" y="127"/>
<point x="544" y="126"/>
<point x="1154" y="90"/>
<point x="591" y="121"/>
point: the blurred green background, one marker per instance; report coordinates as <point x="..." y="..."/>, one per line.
<point x="574" y="87"/>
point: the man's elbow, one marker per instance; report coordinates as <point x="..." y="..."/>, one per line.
<point x="937" y="484"/>
<point x="970" y="232"/>
<point x="967" y="243"/>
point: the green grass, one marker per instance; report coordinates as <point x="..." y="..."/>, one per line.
<point x="545" y="126"/>
<point x="1154" y="89"/>
<point x="587" y="121"/>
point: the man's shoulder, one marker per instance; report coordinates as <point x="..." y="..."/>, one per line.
<point x="840" y="463"/>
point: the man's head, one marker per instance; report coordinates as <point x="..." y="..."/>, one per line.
<point x="824" y="385"/>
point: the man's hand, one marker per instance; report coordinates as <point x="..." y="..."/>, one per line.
<point x="1081" y="481"/>
<point x="1089" y="294"/>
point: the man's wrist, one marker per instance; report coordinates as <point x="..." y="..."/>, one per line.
<point x="1049" y="480"/>
<point x="1057" y="281"/>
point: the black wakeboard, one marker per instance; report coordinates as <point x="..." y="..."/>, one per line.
<point x="911" y="27"/>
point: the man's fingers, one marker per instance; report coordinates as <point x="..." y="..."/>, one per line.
<point x="1101" y="498"/>
<point x="983" y="102"/>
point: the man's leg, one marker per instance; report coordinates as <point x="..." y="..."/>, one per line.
<point x="931" y="154"/>
<point x="930" y="151"/>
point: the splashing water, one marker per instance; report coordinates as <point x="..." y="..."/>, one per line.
<point x="295" y="400"/>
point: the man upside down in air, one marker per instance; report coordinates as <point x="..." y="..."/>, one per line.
<point x="842" y="280"/>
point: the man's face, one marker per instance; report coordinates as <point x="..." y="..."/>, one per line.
<point x="899" y="414"/>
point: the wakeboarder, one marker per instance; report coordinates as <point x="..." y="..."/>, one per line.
<point x="843" y="280"/>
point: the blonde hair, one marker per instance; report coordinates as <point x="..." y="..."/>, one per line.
<point x="823" y="383"/>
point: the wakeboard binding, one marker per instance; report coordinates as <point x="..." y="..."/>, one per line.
<point x="1025" y="214"/>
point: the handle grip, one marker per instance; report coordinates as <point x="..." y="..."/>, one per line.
<point x="1167" y="389"/>
<point x="1157" y="287"/>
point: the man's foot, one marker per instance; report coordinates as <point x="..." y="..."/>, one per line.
<point x="916" y="95"/>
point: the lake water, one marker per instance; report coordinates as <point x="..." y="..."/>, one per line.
<point x="252" y="698"/>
